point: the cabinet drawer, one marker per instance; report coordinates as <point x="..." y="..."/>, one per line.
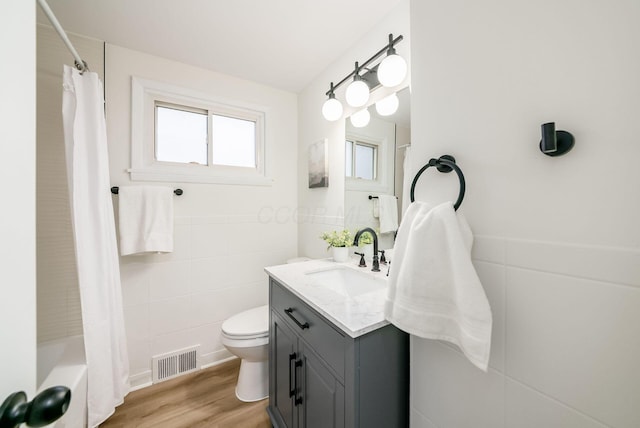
<point x="325" y="340"/>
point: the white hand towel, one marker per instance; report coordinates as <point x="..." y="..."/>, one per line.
<point x="388" y="207"/>
<point x="434" y="291"/>
<point x="146" y="219"/>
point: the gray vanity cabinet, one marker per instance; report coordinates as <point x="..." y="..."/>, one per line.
<point x="319" y="377"/>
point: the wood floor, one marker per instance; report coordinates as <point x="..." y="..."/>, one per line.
<point x="202" y="399"/>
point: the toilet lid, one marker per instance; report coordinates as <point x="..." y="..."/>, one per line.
<point x="253" y="322"/>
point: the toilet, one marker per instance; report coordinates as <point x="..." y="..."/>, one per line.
<point x="246" y="335"/>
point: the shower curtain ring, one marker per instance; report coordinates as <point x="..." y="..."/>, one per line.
<point x="82" y="67"/>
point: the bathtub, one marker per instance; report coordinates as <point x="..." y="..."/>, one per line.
<point x="62" y="362"/>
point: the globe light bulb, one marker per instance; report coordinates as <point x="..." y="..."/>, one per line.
<point x="392" y="70"/>
<point x="332" y="109"/>
<point x="357" y="93"/>
<point x="388" y="105"/>
<point x="361" y="118"/>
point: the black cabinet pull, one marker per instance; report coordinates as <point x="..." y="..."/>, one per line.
<point x="292" y="390"/>
<point x="289" y="312"/>
<point x="297" y="400"/>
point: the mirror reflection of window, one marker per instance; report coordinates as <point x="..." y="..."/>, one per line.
<point x="361" y="160"/>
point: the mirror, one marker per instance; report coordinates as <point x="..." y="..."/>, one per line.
<point x="374" y="158"/>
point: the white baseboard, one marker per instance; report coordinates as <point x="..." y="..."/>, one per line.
<point x="214" y="358"/>
<point x="141" y="380"/>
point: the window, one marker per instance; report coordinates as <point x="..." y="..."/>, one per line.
<point x="181" y="134"/>
<point x="361" y="159"/>
<point x="234" y="141"/>
<point x="179" y="137"/>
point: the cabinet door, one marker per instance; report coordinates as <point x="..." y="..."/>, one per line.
<point x="282" y="357"/>
<point x="320" y="396"/>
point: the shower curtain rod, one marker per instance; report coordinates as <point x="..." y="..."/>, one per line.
<point x="79" y="63"/>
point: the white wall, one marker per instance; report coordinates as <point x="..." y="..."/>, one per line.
<point x="322" y="209"/>
<point x="224" y="234"/>
<point x="557" y="239"/>
<point x="18" y="175"/>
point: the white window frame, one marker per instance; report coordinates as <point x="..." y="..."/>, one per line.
<point x="359" y="142"/>
<point x="144" y="167"/>
<point x="384" y="158"/>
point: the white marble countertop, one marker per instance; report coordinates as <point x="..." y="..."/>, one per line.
<point x="353" y="315"/>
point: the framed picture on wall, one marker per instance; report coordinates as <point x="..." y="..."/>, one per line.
<point x="319" y="164"/>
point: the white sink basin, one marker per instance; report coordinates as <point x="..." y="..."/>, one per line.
<point x="346" y="281"/>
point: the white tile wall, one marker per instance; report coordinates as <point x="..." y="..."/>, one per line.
<point x="447" y="383"/>
<point x="493" y="278"/>
<point x="614" y="265"/>
<point x="419" y="420"/>
<point x="573" y="339"/>
<point x="312" y="226"/>
<point x="177" y="300"/>
<point x="528" y="408"/>
<point x="564" y="350"/>
<point x="168" y="280"/>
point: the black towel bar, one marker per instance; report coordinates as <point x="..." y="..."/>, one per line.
<point x="375" y="197"/>
<point x="115" y="190"/>
<point x="444" y="163"/>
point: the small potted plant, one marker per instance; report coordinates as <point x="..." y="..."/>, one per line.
<point x="339" y="242"/>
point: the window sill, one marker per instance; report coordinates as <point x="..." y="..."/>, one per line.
<point x="148" y="174"/>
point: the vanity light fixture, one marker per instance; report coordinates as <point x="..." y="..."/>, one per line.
<point x="388" y="105"/>
<point x="361" y="118"/>
<point x="365" y="78"/>
<point x="332" y="108"/>
<point x="357" y="93"/>
<point x="393" y="69"/>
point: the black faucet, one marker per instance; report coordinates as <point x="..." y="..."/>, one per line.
<point x="376" y="264"/>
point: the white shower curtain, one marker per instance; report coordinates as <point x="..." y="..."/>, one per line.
<point x="95" y="243"/>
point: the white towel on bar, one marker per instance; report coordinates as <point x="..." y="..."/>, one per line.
<point x="146" y="219"/>
<point x="434" y="291"/>
<point x="388" y="210"/>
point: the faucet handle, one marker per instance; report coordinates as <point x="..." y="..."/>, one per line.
<point x="362" y="262"/>
<point x="383" y="260"/>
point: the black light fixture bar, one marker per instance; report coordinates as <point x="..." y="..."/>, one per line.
<point x="390" y="45"/>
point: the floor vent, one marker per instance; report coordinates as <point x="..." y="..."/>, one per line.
<point x="176" y="363"/>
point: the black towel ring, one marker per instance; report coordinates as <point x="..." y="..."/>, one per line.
<point x="445" y="163"/>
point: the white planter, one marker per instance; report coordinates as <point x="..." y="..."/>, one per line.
<point x="340" y="254"/>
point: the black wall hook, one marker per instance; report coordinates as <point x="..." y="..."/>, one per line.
<point x="555" y="143"/>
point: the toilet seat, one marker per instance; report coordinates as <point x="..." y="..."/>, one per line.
<point x="250" y="324"/>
